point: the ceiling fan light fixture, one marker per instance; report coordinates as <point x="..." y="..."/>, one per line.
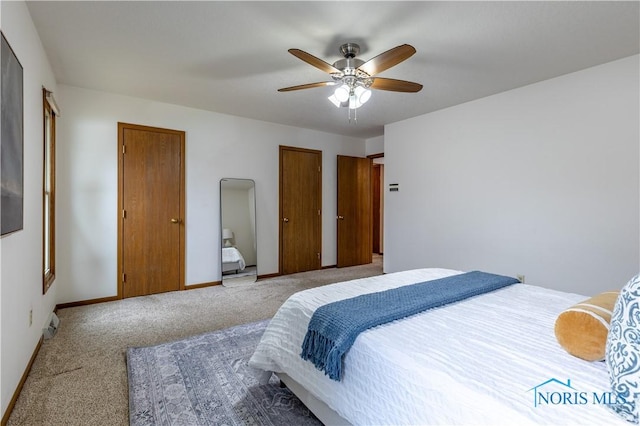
<point x="334" y="100"/>
<point x="342" y="93"/>
<point x="358" y="97"/>
<point x="363" y="94"/>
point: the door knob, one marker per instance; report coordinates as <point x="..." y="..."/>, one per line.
<point x="174" y="220"/>
<point x="285" y="220"/>
<point x="341" y="217"/>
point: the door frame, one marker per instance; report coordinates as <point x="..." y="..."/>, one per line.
<point x="280" y="201"/>
<point x="121" y="153"/>
<point x="380" y="198"/>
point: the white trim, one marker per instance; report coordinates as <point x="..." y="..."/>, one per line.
<point x="52" y="103"/>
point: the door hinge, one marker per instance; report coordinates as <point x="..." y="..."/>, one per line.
<point x="124" y="214"/>
<point x="318" y="255"/>
<point x="319" y="169"/>
<point x="124" y="149"/>
<point x="318" y="212"/>
<point x="124" y="277"/>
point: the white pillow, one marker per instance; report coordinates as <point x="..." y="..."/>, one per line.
<point x="623" y="351"/>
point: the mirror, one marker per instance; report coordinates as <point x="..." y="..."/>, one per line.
<point x="239" y="258"/>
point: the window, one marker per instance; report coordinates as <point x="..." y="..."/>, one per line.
<point x="49" y="185"/>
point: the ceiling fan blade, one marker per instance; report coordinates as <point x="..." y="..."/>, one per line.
<point x="307" y="86"/>
<point x="395" y="85"/>
<point x="312" y="60"/>
<point x="387" y="59"/>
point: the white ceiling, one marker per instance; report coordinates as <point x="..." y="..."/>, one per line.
<point x="231" y="57"/>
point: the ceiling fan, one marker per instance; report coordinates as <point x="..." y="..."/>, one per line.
<point x="354" y="77"/>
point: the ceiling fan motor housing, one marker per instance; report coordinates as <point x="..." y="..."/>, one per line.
<point x="350" y="74"/>
<point x="348" y="65"/>
<point x="350" y="50"/>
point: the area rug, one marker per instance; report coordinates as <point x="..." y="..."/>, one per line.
<point x="206" y="380"/>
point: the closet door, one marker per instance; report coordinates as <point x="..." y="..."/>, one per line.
<point x="151" y="200"/>
<point x="300" y="209"/>
<point x="354" y="211"/>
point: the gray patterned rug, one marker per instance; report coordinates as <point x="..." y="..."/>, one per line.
<point x="205" y="380"/>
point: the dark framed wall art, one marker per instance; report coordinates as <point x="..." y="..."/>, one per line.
<point x="11" y="144"/>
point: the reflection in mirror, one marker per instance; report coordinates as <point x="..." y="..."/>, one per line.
<point x="239" y="260"/>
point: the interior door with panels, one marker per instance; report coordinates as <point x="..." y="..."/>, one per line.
<point x="354" y="211"/>
<point x="300" y="210"/>
<point x="151" y="210"/>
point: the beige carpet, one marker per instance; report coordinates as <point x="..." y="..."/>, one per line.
<point x="79" y="377"/>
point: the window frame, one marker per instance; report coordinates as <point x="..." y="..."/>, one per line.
<point x="48" y="190"/>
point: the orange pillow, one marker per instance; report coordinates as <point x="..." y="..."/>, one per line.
<point x="583" y="328"/>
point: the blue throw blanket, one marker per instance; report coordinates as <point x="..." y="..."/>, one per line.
<point x="334" y="327"/>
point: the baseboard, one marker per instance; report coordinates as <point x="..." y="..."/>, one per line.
<point x="265" y="276"/>
<point x="277" y="274"/>
<point x="194" y="286"/>
<point x="86" y="302"/>
<point x="16" y="394"/>
<point x="114" y="298"/>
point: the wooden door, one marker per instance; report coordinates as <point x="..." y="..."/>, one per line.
<point x="151" y="210"/>
<point x="300" y="210"/>
<point x="354" y="211"/>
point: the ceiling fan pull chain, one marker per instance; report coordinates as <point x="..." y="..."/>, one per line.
<point x="355" y="115"/>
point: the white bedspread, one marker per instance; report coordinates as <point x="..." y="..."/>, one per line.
<point x="232" y="254"/>
<point x="472" y="362"/>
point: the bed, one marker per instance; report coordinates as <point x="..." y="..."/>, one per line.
<point x="483" y="360"/>
<point x="232" y="260"/>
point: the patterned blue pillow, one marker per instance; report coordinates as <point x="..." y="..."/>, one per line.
<point x="623" y="351"/>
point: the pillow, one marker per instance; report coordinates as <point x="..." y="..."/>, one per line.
<point x="623" y="352"/>
<point x="583" y="328"/>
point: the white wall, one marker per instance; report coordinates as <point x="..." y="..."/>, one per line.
<point x="374" y="145"/>
<point x="217" y="146"/>
<point x="21" y="261"/>
<point x="541" y="181"/>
